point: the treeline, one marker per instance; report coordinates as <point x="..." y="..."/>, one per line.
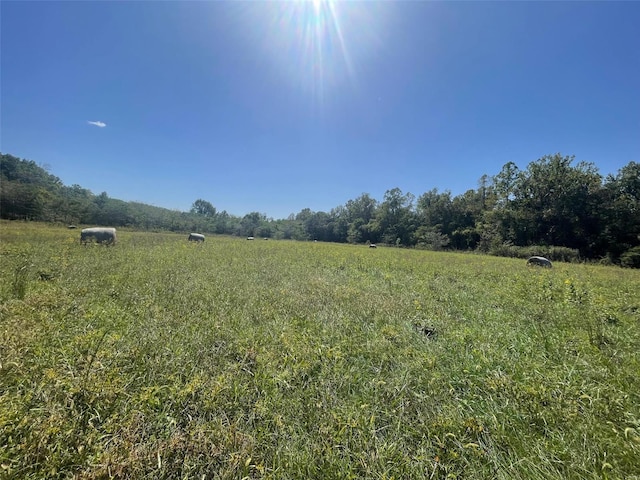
<point x="555" y="207"/>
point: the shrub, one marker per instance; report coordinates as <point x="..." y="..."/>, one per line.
<point x="631" y="258"/>
<point x="554" y="253"/>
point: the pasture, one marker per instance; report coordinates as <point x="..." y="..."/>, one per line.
<point x="229" y="359"/>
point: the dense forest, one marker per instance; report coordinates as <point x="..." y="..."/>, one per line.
<point x="556" y="207"/>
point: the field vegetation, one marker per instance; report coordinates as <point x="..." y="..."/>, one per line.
<point x="160" y="358"/>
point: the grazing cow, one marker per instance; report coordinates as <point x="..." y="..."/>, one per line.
<point x="373" y="245"/>
<point x="539" y="261"/>
<point x="196" y="237"/>
<point x="250" y="238"/>
<point x="99" y="234"/>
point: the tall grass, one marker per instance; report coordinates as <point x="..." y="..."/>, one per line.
<point x="159" y="358"/>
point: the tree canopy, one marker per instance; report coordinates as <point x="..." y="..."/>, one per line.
<point x="554" y="203"/>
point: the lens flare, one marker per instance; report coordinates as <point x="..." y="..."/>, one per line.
<point x="317" y="45"/>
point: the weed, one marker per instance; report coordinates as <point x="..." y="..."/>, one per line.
<point x="20" y="282"/>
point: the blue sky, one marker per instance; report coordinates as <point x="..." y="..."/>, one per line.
<point x="276" y="107"/>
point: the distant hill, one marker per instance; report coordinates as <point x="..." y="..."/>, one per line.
<point x="29" y="192"/>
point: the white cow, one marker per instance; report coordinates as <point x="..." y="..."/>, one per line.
<point x="105" y="235"/>
<point x="196" y="237"/>
<point x="539" y="261"/>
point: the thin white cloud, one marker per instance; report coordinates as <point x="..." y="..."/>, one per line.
<point x="97" y="124"/>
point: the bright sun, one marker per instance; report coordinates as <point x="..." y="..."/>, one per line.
<point x="317" y="4"/>
<point x="314" y="43"/>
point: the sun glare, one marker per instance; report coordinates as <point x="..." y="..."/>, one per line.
<point x="314" y="44"/>
<point x="317" y="4"/>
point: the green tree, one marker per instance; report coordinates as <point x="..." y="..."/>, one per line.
<point x="621" y="211"/>
<point x="430" y="238"/>
<point x="204" y="208"/>
<point x="27" y="190"/>
<point x="562" y="201"/>
<point x="396" y="218"/>
<point x="250" y="224"/>
<point x="552" y="202"/>
<point x="318" y="226"/>
<point x="466" y="211"/>
<point x="339" y="224"/>
<point x="434" y="209"/>
<point x="359" y="215"/>
<point x="223" y="223"/>
<point x="21" y="201"/>
<point x="505" y="183"/>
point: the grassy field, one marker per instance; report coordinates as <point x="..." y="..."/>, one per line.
<point x="160" y="358"/>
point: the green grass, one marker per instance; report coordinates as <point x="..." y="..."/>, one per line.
<point x="159" y="358"/>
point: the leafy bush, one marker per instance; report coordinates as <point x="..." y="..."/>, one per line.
<point x="631" y="258"/>
<point x="563" y="254"/>
<point x="554" y="253"/>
